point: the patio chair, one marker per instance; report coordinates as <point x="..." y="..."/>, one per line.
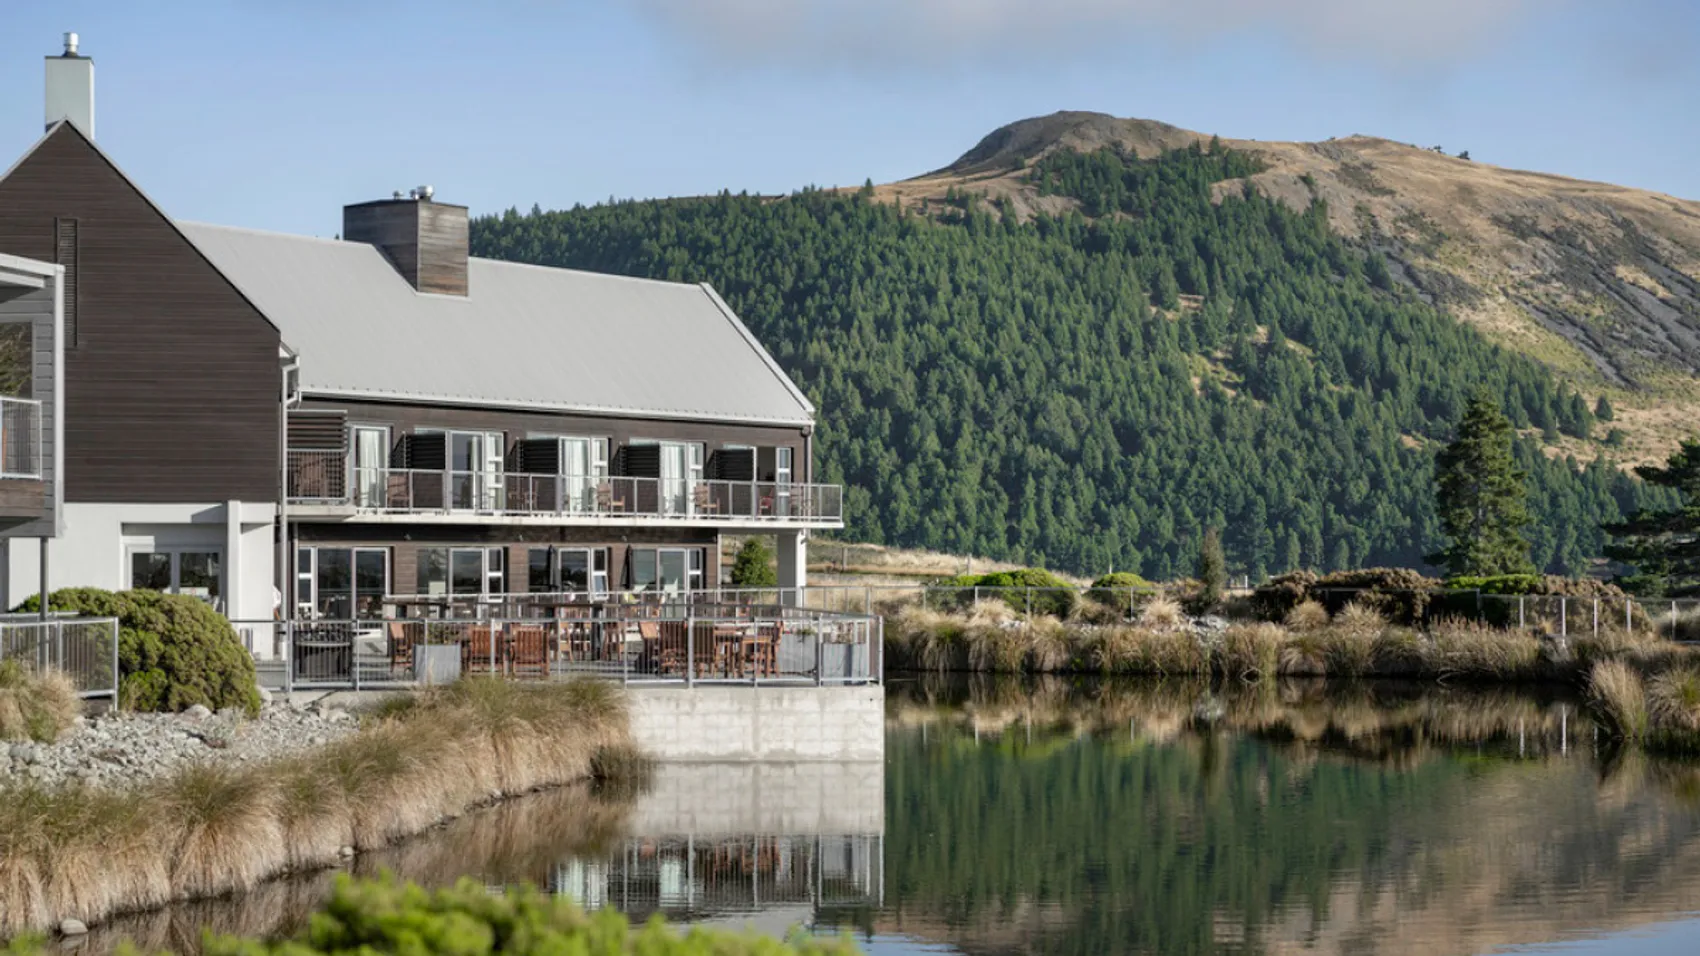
<point x="607" y="499"/>
<point x="530" y="651"/>
<point x="481" y="652"/>
<point x="401" y="647"/>
<point x="703" y="501"/>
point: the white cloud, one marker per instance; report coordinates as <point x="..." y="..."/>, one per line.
<point x="874" y="33"/>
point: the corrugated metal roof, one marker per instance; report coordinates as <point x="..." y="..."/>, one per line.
<point x="525" y="337"/>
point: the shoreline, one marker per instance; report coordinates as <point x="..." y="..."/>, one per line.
<point x="87" y="854"/>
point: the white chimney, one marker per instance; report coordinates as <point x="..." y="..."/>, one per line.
<point x="70" y="88"/>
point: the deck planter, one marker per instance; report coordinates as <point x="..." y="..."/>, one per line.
<point x="436" y="663"/>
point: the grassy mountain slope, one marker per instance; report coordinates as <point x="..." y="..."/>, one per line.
<point x="1599" y="282"/>
<point x="1090" y="392"/>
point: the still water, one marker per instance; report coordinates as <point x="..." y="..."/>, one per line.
<point x="1089" y="817"/>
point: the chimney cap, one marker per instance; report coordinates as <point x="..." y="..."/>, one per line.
<point x="70" y="44"/>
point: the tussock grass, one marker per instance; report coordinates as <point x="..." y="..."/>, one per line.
<point x="37" y="707"/>
<point x="86" y="853"/>
<point x="1161" y="614"/>
<point x="1673" y="699"/>
<point x="1618" y="696"/>
<point x="1307" y="615"/>
<point x="1251" y="651"/>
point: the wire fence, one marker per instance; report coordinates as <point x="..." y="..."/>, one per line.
<point x="685" y="643"/>
<point x="84" y="649"/>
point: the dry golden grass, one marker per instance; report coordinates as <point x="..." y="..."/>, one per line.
<point x="1673" y="699"/>
<point x="86" y="853"/>
<point x="1359" y="620"/>
<point x="37" y="707"/>
<point x="1162" y="613"/>
<point x="1615" y="690"/>
<point x="1307" y="615"/>
<point x="1050" y="644"/>
<point x="1251" y="651"/>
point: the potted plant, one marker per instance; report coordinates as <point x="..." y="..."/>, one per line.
<point x="436" y="659"/>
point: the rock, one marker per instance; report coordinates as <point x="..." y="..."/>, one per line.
<point x="230" y="713"/>
<point x="346" y="852"/>
<point x="72" y="927"/>
<point x="265" y="697"/>
<point x="23" y="753"/>
<point x="197" y="712"/>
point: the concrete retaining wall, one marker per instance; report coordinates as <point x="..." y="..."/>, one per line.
<point x="767" y="724"/>
<point x="748" y="798"/>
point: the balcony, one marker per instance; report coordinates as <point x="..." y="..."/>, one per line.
<point x="323" y="485"/>
<point x="20" y="438"/>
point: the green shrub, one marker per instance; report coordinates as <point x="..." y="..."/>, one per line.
<point x="1500" y="584"/>
<point x="173" y="651"/>
<point x="1122" y="590"/>
<point x="1401" y="595"/>
<point x="386" y="915"/>
<point x="1048" y="593"/>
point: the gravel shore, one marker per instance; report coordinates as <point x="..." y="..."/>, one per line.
<point x="117" y="750"/>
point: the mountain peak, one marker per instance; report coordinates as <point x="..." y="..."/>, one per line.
<point x="1034" y="137"/>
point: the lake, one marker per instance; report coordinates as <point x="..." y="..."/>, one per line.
<point x="1051" y="816"/>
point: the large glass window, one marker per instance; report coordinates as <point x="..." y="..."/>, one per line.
<point x="433" y="573"/>
<point x="371" y="465"/>
<point x="666" y="569"/>
<point x="467" y="572"/>
<point x="342" y="583"/>
<point x="475" y="470"/>
<point x="568" y="570"/>
<point x="191" y="572"/>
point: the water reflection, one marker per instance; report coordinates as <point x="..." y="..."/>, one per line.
<point x="1089" y="817"/>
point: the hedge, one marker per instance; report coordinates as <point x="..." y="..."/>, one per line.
<point x="174" y="651"/>
<point x="1048" y="593"/>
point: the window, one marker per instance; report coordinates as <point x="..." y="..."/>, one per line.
<point x="666" y="569"/>
<point x="463" y="572"/>
<point x="475" y="462"/>
<point x="342" y="584"/>
<point x="681" y="469"/>
<point x="371" y="451"/>
<point x="190" y="572"/>
<point x="583" y="468"/>
<point x="569" y="570"/>
<point x="782" y="480"/>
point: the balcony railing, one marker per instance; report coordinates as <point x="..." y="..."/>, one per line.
<point x="20" y="438"/>
<point x="325" y="478"/>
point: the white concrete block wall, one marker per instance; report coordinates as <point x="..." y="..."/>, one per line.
<point x="738" y="799"/>
<point x="94" y="548"/>
<point x="732" y="724"/>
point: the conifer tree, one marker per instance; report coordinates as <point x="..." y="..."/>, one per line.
<point x="1603" y="410"/>
<point x="1481" y="497"/>
<point x="1212" y="569"/>
<point x="753" y="567"/>
<point x="1664" y="546"/>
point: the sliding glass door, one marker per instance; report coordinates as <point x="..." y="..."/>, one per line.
<point x="475" y="470"/>
<point x="342" y="584"/>
<point x="371" y="465"/>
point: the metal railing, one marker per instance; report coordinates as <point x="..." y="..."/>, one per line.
<point x="687" y="641"/>
<point x="20" y="438"/>
<point x="85" y="649"/>
<point x="324" y="478"/>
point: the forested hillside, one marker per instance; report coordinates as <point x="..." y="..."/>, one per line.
<point x="1093" y="390"/>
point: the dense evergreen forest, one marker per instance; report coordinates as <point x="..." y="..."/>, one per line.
<point x="1093" y="389"/>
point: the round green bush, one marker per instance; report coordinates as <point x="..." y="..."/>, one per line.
<point x="1123" y="590"/>
<point x="173" y="651"/>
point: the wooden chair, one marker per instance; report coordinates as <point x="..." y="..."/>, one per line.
<point x="401" y="646"/>
<point x="607" y="500"/>
<point x="650" y="632"/>
<point x="703" y="501"/>
<point x="530" y="651"/>
<point x="480" y="653"/>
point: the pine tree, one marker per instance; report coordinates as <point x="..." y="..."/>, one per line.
<point x="1212" y="568"/>
<point x="1664" y="546"/>
<point x="753" y="567"/>
<point x="1481" y="496"/>
<point x="1603" y="410"/>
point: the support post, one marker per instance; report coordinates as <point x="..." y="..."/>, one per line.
<point x="41" y="585"/>
<point x="1596" y="617"/>
<point x="793" y="547"/>
<point x="1563" y="616"/>
<point x="690" y="648"/>
<point x="115" y="665"/>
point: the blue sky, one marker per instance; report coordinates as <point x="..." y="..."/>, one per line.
<point x="274" y="113"/>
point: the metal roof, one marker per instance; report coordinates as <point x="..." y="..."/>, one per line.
<point x="524" y="337"/>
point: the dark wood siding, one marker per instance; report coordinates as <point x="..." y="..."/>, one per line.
<point x="425" y="241"/>
<point x="620" y="432"/>
<point x="171" y="388"/>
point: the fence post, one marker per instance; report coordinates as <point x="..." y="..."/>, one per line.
<point x="1563" y="616"/>
<point x="1522" y="612"/>
<point x="1596" y="617"/>
<point x="1673" y="620"/>
<point x="115" y="665"/>
<point x="289" y="657"/>
<point x="820" y="654"/>
<point x="1029" y="590"/>
<point x="59" y="643"/>
<point x="977" y="597"/>
<point x="1628" y="615"/>
<point x="690" y="648"/>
